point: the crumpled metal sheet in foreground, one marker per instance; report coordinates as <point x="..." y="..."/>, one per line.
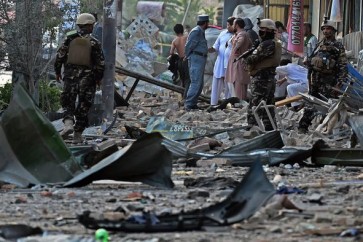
<point x="146" y="160"/>
<point x="32" y="152"/>
<point x="338" y="157"/>
<point x="243" y="154"/>
<point x="251" y="193"/>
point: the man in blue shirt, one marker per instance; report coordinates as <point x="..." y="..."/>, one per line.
<point x="196" y="50"/>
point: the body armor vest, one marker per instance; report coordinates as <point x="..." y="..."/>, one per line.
<point x="268" y="62"/>
<point x="79" y="52"/>
<point x="271" y="61"/>
<point x="324" y="61"/>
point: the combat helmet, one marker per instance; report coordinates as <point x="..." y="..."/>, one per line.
<point x="267" y="23"/>
<point x="328" y="23"/>
<point x="85" y="18"/>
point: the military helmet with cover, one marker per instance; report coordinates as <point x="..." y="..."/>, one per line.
<point x="85" y="18"/>
<point x="267" y="23"/>
<point x="328" y="23"/>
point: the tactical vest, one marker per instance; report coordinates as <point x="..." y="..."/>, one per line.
<point x="79" y="52"/>
<point x="324" y="61"/>
<point x="271" y="61"/>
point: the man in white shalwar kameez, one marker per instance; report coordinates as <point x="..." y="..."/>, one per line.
<point x="218" y="84"/>
<point x="297" y="79"/>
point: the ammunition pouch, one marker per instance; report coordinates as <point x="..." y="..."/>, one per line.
<point x="323" y="64"/>
<point x="79" y="52"/>
<point x="323" y="61"/>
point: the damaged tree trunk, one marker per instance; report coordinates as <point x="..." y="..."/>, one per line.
<point x="25" y="44"/>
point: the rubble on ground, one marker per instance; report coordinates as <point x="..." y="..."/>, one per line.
<point x="311" y="202"/>
<point x="156" y="171"/>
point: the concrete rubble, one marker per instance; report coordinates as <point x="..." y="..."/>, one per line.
<point x="328" y="207"/>
<point x="314" y="181"/>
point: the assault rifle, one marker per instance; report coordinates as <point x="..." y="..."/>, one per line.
<point x="309" y="65"/>
<point x="256" y="43"/>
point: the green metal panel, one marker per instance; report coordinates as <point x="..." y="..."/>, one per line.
<point x="33" y="141"/>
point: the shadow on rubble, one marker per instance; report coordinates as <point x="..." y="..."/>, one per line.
<point x="239" y="205"/>
<point x="32" y="152"/>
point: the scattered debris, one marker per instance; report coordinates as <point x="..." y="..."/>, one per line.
<point x="239" y="205"/>
<point x="16" y="231"/>
<point x="43" y="158"/>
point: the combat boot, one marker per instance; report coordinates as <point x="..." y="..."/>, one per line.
<point x="68" y="128"/>
<point x="77" y="138"/>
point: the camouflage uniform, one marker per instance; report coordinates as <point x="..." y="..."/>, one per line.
<point x="263" y="81"/>
<point x="79" y="80"/>
<point x="325" y="75"/>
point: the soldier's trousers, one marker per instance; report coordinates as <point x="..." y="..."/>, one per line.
<point x="321" y="84"/>
<point x="85" y="89"/>
<point x="262" y="88"/>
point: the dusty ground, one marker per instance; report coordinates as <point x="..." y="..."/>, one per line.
<point x="55" y="211"/>
<point x="327" y="209"/>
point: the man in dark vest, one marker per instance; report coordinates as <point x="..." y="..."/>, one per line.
<point x="83" y="61"/>
<point x="328" y="68"/>
<point x="262" y="65"/>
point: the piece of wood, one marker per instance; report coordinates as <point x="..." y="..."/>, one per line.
<point x="288" y="100"/>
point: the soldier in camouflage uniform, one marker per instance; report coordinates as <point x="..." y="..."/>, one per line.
<point x="262" y="64"/>
<point x="83" y="61"/>
<point x="328" y="68"/>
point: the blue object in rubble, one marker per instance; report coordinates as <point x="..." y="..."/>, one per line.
<point x="289" y="190"/>
<point x="352" y="232"/>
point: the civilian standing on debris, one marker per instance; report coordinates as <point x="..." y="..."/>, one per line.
<point x="229" y="92"/>
<point x="220" y="46"/>
<point x="310" y="41"/>
<point x="262" y="64"/>
<point x="283" y="36"/>
<point x="178" y="45"/>
<point x="328" y="68"/>
<point x="249" y="29"/>
<point x="83" y="61"/>
<point x="196" y="50"/>
<point x="236" y="72"/>
<point x="97" y="29"/>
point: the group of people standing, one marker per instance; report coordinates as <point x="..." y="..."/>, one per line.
<point x="82" y="60"/>
<point x="263" y="55"/>
<point x="230" y="75"/>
